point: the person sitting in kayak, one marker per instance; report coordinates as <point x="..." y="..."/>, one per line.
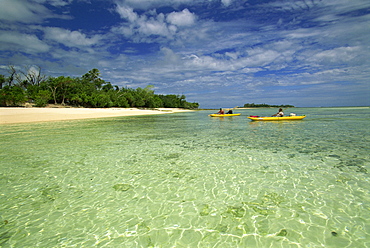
<point x="221" y="112"/>
<point x="280" y="113"/>
<point x="230" y="112"/>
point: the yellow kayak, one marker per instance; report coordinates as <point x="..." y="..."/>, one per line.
<point x="284" y="118"/>
<point x="224" y="115"/>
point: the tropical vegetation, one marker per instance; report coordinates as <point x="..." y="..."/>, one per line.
<point x="89" y="90"/>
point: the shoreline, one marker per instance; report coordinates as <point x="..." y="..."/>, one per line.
<point x="16" y="115"/>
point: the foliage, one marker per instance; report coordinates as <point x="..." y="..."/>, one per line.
<point x="12" y="96"/>
<point x="41" y="98"/>
<point x="86" y="91"/>
<point x="2" y="81"/>
<point x="264" y="105"/>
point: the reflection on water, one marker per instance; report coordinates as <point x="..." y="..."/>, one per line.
<point x="188" y="180"/>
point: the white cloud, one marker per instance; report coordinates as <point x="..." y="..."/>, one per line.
<point x="203" y="63"/>
<point x="29" y="11"/>
<point x="153" y="27"/>
<point x="342" y="6"/>
<point x="260" y="57"/>
<point x="303" y="33"/>
<point x="127" y="13"/>
<point x="232" y="55"/>
<point x="123" y="29"/>
<point x="142" y="27"/>
<point x="170" y="56"/>
<point x="291" y="5"/>
<point x="183" y="18"/>
<point x="155" y="4"/>
<point x="57" y="3"/>
<point x="70" y="38"/>
<point x="22" y="11"/>
<point x="15" y="41"/>
<point x="343" y="54"/>
<point x="226" y="2"/>
<point x="150" y="4"/>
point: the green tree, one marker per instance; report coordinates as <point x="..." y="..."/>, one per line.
<point x="122" y="102"/>
<point x="118" y="99"/>
<point x="128" y="94"/>
<point x="12" y="96"/>
<point x="93" y="77"/>
<point x="138" y="99"/>
<point x="59" y="87"/>
<point x="89" y="90"/>
<point x="80" y="92"/>
<point x="169" y="101"/>
<point x="100" y="100"/>
<point x="42" y="98"/>
<point x="107" y="87"/>
<point x="2" y="81"/>
<point x="154" y="102"/>
<point x="182" y="101"/>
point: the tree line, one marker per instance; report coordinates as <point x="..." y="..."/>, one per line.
<point x="89" y="90"/>
<point x="264" y="105"/>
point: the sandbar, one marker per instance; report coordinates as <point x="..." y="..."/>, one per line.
<point x="11" y="115"/>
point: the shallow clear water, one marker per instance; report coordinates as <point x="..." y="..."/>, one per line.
<point x="188" y="180"/>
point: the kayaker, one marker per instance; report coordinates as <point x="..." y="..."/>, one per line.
<point x="280" y="113"/>
<point x="221" y="112"/>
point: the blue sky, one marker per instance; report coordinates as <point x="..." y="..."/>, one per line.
<point x="219" y="53"/>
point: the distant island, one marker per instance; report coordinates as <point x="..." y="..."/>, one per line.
<point x="264" y="105"/>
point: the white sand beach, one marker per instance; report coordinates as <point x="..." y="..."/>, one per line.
<point x="24" y="115"/>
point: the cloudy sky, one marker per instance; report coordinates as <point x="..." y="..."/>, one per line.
<point x="219" y="53"/>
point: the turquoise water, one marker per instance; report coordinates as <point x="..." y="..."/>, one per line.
<point x="188" y="180"/>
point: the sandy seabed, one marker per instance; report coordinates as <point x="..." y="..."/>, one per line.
<point x="24" y="115"/>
